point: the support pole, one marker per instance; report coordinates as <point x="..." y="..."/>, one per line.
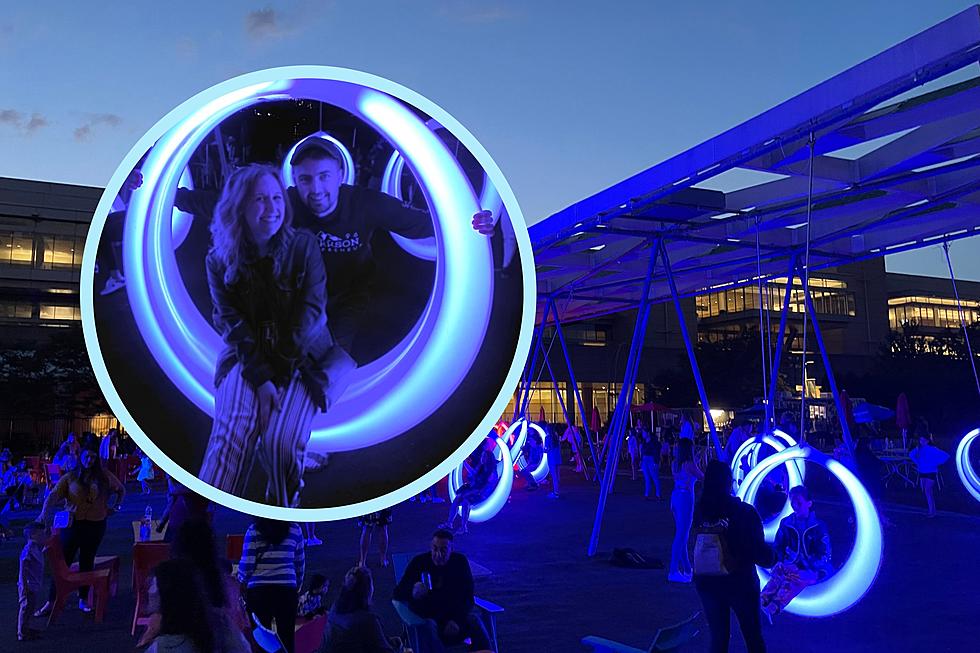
<point x="578" y="395"/>
<point x="617" y="428"/>
<point x="845" y="427"/>
<point x="690" y="353"/>
<point x="520" y="406"/>
<point x="784" y="316"/>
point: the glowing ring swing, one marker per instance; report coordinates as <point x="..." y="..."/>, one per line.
<point x="423" y="248"/>
<point x="752" y="447"/>
<point x="852" y="581"/>
<point x="348" y="160"/>
<point x="521" y="463"/>
<point x="489" y="507"/>
<point x="971" y="481"/>
<point x="386" y="397"/>
<point x="794" y="472"/>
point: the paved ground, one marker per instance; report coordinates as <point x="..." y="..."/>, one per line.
<point x="925" y="598"/>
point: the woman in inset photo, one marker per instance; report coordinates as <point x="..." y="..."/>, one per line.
<point x="268" y="290"/>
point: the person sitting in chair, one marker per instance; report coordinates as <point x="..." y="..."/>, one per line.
<point x="438" y="586"/>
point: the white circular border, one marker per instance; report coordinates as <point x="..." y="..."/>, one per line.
<point x="88" y="277"/>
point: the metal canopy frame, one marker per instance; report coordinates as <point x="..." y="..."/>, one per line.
<point x="892" y="171"/>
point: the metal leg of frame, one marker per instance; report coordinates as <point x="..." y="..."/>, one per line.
<point x="520" y="407"/>
<point x="783" y="318"/>
<point x="690" y="353"/>
<point x="845" y="428"/>
<point x="617" y="428"/>
<point x="578" y="395"/>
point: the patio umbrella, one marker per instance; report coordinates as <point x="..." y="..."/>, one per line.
<point x="865" y="412"/>
<point x="541" y="415"/>
<point x="595" y="423"/>
<point x="903" y="418"/>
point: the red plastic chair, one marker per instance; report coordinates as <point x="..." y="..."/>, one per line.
<point x="234" y="545"/>
<point x="309" y="635"/>
<point x="105" y="562"/>
<point x="67" y="581"/>
<point x="146" y="556"/>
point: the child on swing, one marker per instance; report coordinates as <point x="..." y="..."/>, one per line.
<point x="802" y="551"/>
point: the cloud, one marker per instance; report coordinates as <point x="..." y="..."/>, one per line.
<point x="265" y="25"/>
<point x="21" y="123"/>
<point x="483" y="13"/>
<point x="84" y="131"/>
<point x="186" y="49"/>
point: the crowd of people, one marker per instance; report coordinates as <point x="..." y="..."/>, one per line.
<point x="718" y="542"/>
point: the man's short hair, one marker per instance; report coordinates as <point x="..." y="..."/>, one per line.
<point x="443" y="534"/>
<point x="317" y="149"/>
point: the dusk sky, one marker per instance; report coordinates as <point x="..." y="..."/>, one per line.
<point x="568" y="97"/>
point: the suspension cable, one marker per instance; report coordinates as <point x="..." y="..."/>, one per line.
<point x="962" y="314"/>
<point x="806" y="285"/>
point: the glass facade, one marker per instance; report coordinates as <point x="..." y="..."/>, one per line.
<point x="934" y="312"/>
<point x="830" y="297"/>
<point x="42" y="251"/>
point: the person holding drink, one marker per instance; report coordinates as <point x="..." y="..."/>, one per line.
<point x="438" y="586"/>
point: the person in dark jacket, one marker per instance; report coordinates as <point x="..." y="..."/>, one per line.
<point x="438" y="586"/>
<point x="483" y="479"/>
<point x="268" y="289"/>
<point x="342" y="219"/>
<point x="737" y="590"/>
<point x="803" y="553"/>
<point x="352" y="627"/>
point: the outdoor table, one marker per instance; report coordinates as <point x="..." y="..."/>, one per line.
<point x="900" y="466"/>
<point x="154" y="536"/>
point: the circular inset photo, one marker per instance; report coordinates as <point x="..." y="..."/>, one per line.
<point x="308" y="293"/>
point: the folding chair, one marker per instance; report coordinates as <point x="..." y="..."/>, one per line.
<point x="669" y="638"/>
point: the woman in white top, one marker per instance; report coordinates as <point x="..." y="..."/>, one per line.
<point x="927" y="459"/>
<point x="686" y="474"/>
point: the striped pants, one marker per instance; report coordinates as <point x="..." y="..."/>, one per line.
<point x="235" y="439"/>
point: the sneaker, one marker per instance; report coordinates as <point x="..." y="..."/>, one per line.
<point x="314" y="541"/>
<point x="552" y="495"/>
<point x="315" y="462"/>
<point x="112" y="284"/>
<point x="678" y="577"/>
<point x="84" y="606"/>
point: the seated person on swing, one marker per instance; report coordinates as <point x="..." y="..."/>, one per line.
<point x="483" y="479"/>
<point x="802" y="551"/>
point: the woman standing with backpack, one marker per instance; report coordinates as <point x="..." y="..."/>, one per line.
<point x="729" y="544"/>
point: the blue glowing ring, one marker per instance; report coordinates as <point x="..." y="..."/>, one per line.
<point x="185" y="345"/>
<point x="387" y="397"/>
<point x="489" y="507"/>
<point x="971" y="481"/>
<point x="424" y="248"/>
<point x="182" y="221"/>
<point x="540" y="472"/>
<point x="852" y="581"/>
<point x="349" y="168"/>
<point x="794" y="472"/>
<point x="515" y="449"/>
<point x="753" y="446"/>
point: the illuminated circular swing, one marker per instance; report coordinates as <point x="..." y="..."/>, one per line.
<point x="521" y="463"/>
<point x="852" y="581"/>
<point x="795" y="470"/>
<point x="391" y="184"/>
<point x="967" y="474"/>
<point x="386" y="397"/>
<point x="489" y="507"/>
